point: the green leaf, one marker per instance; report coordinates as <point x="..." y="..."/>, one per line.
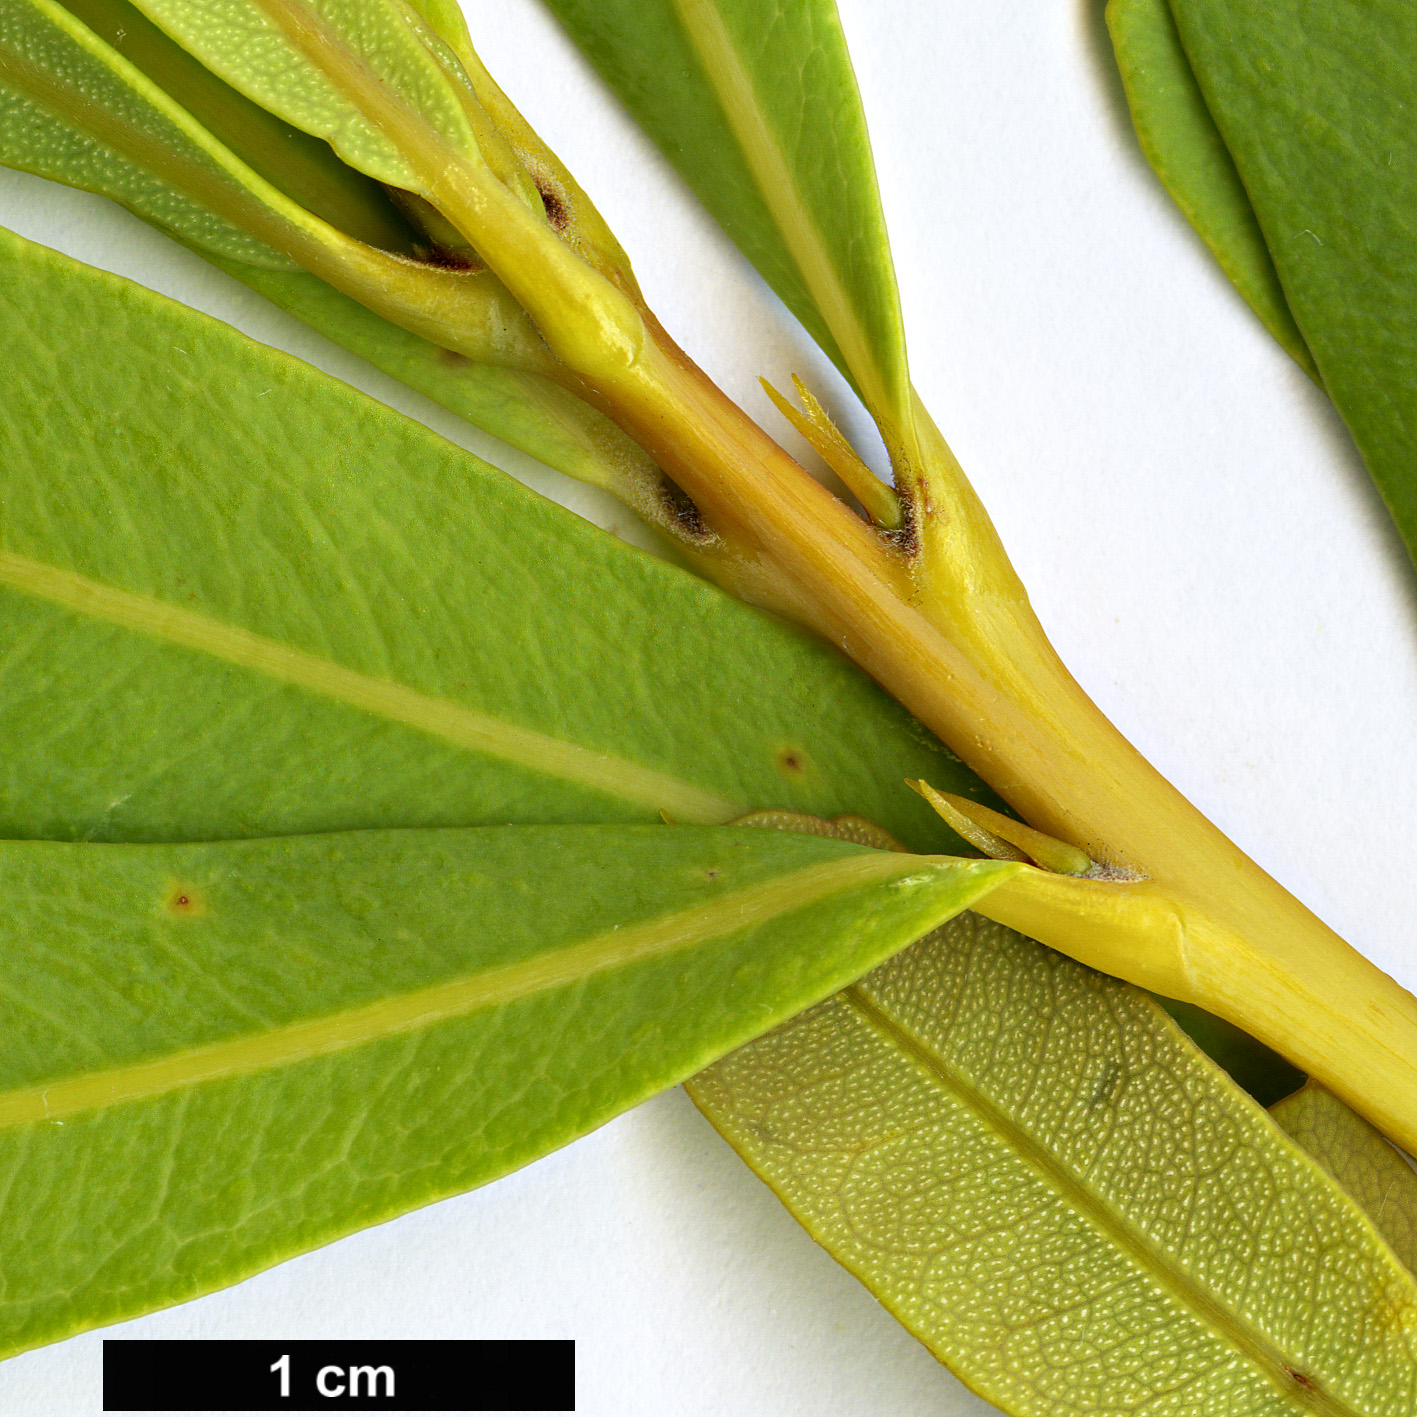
<point x="238" y="598"/>
<point x="302" y="167"/>
<point x="1184" y="147"/>
<point x="114" y="106"/>
<point x="756" y="105"/>
<point x="523" y="409"/>
<point x="1314" y="104"/>
<point x="267" y="50"/>
<point x="1360" y="1159"/>
<point x="74" y="109"/>
<point x="221" y="1055"/>
<point x="55" y="74"/>
<point x="1036" y="1172"/>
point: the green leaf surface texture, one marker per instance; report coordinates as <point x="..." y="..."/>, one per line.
<point x="756" y="104"/>
<point x="1314" y="103"/>
<point x="1262" y="1072"/>
<point x="240" y="599"/>
<point x="1360" y="1159"/>
<point x="54" y="71"/>
<point x="1037" y="1173"/>
<point x="219" y="1055"/>
<point x="74" y="108"/>
<point x="100" y="92"/>
<point x="522" y="409"/>
<point x="1184" y="147"/>
<point x="252" y="45"/>
<point x="304" y="168"/>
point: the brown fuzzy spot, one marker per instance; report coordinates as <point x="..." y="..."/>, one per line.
<point x="556" y="212"/>
<point x="790" y="761"/>
<point x="906" y="537"/>
<point x="446" y="260"/>
<point x="681" y="515"/>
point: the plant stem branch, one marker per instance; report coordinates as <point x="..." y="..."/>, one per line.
<point x="940" y="619"/>
<point x="1216" y="930"/>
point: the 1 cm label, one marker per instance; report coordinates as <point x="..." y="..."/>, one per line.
<point x="334" y="1381"/>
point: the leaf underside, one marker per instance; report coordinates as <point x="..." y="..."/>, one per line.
<point x="47" y="58"/>
<point x="1261" y="1071"/>
<point x="252" y="45"/>
<point x="240" y="599"/>
<point x="757" y="107"/>
<point x="1360" y="1159"/>
<point x="1312" y="106"/>
<point x="1043" y="1180"/>
<point x="89" y="107"/>
<point x="220" y="1055"/>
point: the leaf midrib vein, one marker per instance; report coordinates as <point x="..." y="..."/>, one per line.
<point x="777" y="185"/>
<point x="287" y="1044"/>
<point x="1187" y="1292"/>
<point x="388" y="699"/>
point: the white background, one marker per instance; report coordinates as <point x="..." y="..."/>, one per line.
<point x="1198" y="535"/>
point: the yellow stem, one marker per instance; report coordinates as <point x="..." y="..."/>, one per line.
<point x="945" y="626"/>
<point x="997" y="693"/>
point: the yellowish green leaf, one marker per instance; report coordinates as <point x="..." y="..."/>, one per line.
<point x="1036" y="1172"/>
<point x="238" y="598"/>
<point x="290" y="57"/>
<point x="1360" y="1159"/>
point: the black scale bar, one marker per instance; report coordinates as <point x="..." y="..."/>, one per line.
<point x="312" y="1375"/>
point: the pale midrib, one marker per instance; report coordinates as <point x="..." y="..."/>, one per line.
<point x="1213" y="1311"/>
<point x="226" y="188"/>
<point x="440" y="718"/>
<point x="436" y="305"/>
<point x="777" y="186"/>
<point x="293" y="1043"/>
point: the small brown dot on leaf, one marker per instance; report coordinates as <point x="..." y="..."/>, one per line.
<point x="790" y="761"/>
<point x="183" y="901"/>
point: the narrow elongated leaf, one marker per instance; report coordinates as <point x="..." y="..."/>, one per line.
<point x="92" y="94"/>
<point x="302" y="167"/>
<point x="237" y="598"/>
<point x="1314" y="105"/>
<point x="1360" y="1159"/>
<point x="220" y="1055"/>
<point x="1185" y="148"/>
<point x="73" y="108"/>
<point x="50" y="62"/>
<point x="757" y="107"/>
<point x="1073" y="1208"/>
<point x="263" y="48"/>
